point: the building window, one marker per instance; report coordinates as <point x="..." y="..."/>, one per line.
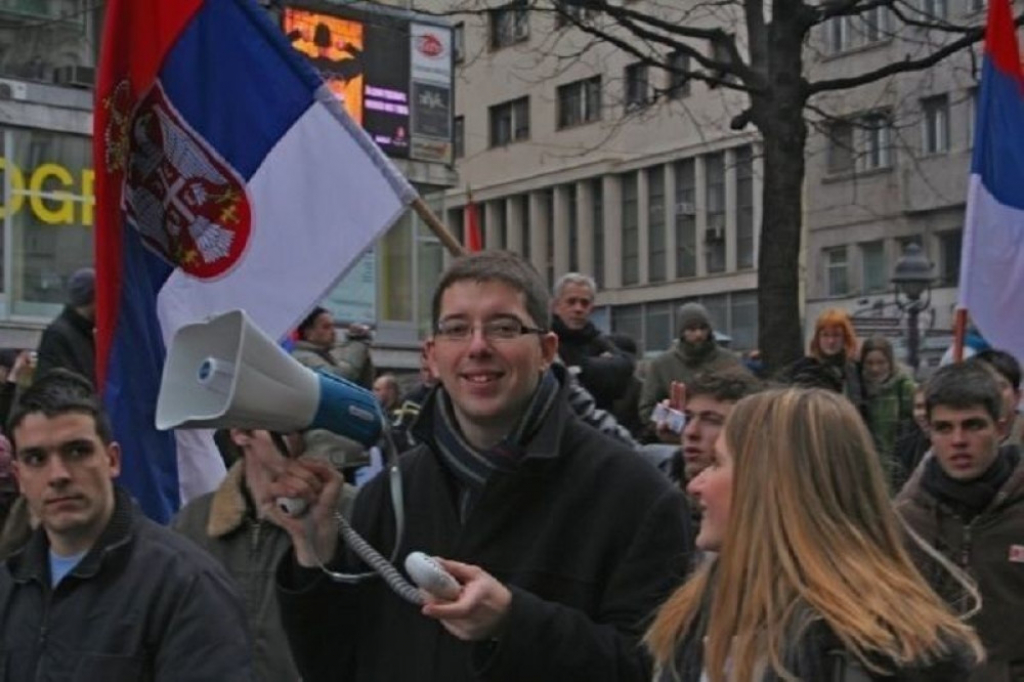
<point x="629" y="320"/>
<point x="510" y="121"/>
<point x="720" y="53"/>
<point x="658" y="334"/>
<point x="686" y="218"/>
<point x="877" y="131"/>
<point x="457" y="224"/>
<point x="935" y="9"/>
<point x="572" y="216"/>
<point x="548" y="197"/>
<point x="976" y="5"/>
<point x="714" y="234"/>
<point x="656" y="247"/>
<point x="524" y="211"/>
<point x="875" y="25"/>
<point x="935" y="124"/>
<point x="840" y="147"/>
<point x="679" y="74"/>
<point x="743" y="327"/>
<point x="950" y="244"/>
<point x="838" y="34"/>
<point x="459" y="43"/>
<point x="837" y="272"/>
<point x="579" y="102"/>
<point x="638" y="91"/>
<point x="597" y="214"/>
<point x="459" y="137"/>
<point x="501" y="224"/>
<point x="744" y="207"/>
<point x="48" y="216"/>
<point x="571" y="12"/>
<point x="630" y="229"/>
<point x="873" y="273"/>
<point x="510" y="24"/>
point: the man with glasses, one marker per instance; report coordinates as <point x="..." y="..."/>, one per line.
<point x="562" y="540"/>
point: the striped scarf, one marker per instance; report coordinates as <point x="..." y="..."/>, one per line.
<point x="472" y="467"/>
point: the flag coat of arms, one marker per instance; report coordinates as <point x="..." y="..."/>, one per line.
<point x="992" y="260"/>
<point x="228" y="176"/>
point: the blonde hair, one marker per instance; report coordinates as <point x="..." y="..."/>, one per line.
<point x="811" y="530"/>
<point x="834" y="317"/>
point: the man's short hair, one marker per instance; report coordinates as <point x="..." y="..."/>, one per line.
<point x="498" y="266"/>
<point x="964" y="385"/>
<point x="309" y="320"/>
<point x="59" y="392"/>
<point x="1002" y="362"/>
<point x="574" y="278"/>
<point x="727" y="386"/>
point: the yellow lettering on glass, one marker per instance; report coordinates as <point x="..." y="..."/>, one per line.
<point x="66" y="213"/>
<point x="90" y="199"/>
<point x="17" y="182"/>
<point x="40" y="206"/>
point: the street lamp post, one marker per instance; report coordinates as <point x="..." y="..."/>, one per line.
<point x="912" y="277"/>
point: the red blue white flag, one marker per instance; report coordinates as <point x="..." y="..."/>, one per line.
<point x="228" y="176"/>
<point x="992" y="261"/>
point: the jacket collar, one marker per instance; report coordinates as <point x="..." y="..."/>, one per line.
<point x="228" y="507"/>
<point x="76" y="320"/>
<point x="1013" y="488"/>
<point x="33" y="561"/>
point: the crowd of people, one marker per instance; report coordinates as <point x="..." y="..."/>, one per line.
<point x="605" y="517"/>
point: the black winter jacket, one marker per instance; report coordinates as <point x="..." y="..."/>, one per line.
<point x="588" y="536"/>
<point x="604" y="370"/>
<point x="68" y="342"/>
<point x="145" y="604"/>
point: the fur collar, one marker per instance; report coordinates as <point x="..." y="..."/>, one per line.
<point x="229" y="507"/>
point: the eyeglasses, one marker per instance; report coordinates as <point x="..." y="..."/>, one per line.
<point x="500" y="329"/>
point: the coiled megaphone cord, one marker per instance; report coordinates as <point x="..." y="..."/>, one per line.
<point x="381" y="566"/>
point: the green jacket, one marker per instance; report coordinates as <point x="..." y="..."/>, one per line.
<point x="676" y="364"/>
<point x="888" y="407"/>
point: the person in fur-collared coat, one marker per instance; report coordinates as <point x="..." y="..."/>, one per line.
<point x="228" y="525"/>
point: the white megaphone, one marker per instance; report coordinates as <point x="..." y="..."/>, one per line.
<point x="226" y="373"/>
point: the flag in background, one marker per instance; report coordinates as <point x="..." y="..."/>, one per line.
<point x="992" y="261"/>
<point x="228" y="176"/>
<point x="474" y="240"/>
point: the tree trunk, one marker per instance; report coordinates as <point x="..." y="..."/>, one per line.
<point x="779" y="117"/>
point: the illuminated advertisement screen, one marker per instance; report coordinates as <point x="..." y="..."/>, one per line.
<point x="367" y="59"/>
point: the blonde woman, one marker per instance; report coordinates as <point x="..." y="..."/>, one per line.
<point x="811" y="580"/>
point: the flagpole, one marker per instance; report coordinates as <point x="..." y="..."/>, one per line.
<point x="959" y="331"/>
<point x="437" y="227"/>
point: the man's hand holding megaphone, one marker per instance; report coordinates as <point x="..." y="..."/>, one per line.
<point x="317" y="484"/>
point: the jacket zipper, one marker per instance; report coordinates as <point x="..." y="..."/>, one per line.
<point x="965" y="547"/>
<point x="44" y="631"/>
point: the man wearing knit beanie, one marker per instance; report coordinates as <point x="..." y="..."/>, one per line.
<point x="693" y="352"/>
<point x="68" y="342"/>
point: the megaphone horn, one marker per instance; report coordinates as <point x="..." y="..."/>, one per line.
<point x="226" y="373"/>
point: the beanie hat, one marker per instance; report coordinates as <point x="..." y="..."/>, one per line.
<point x="692" y="315"/>
<point x="82" y="287"/>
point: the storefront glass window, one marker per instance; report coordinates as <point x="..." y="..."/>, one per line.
<point x="47" y="217"/>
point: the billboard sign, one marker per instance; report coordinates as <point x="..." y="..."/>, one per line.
<point x="393" y="75"/>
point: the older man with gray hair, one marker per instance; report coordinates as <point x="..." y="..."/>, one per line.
<point x="599" y="365"/>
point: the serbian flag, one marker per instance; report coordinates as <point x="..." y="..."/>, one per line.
<point x="474" y="240"/>
<point x="228" y="176"/>
<point x="992" y="260"/>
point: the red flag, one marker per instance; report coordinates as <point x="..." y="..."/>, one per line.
<point x="474" y="240"/>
